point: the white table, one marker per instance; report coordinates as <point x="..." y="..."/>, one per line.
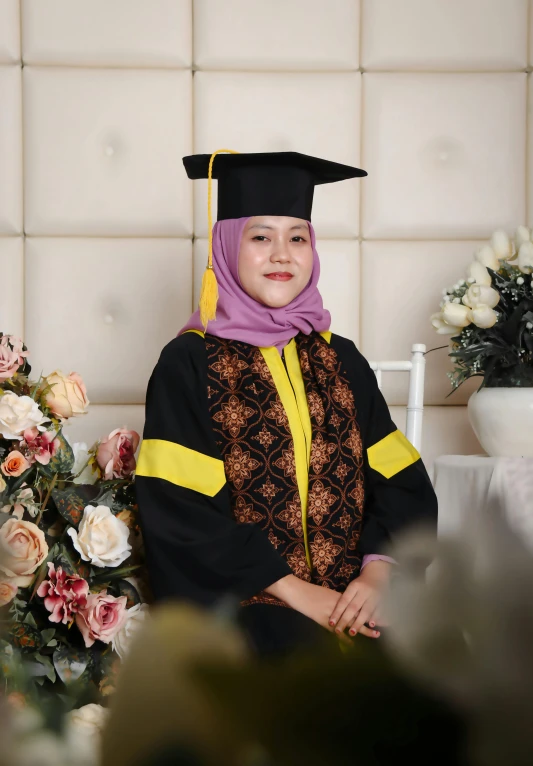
<point x="465" y="484"/>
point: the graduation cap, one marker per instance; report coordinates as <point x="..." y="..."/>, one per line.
<point x="259" y="183"/>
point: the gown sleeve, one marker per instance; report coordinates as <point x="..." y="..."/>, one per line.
<point x="195" y="549"/>
<point x="399" y="493"/>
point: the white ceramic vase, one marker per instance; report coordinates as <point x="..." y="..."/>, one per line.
<point x="502" y="419"/>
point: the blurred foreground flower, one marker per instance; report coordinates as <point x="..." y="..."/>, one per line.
<point x="468" y="631"/>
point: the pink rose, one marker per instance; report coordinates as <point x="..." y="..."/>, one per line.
<point x="63" y="594"/>
<point x="101" y="618"/>
<point x="116" y="454"/>
<point x="40" y="447"/>
<point x="11" y="356"/>
<point x="23" y="549"/>
<point x="68" y="395"/>
<point x="15" y="464"/>
<point x="8" y="591"/>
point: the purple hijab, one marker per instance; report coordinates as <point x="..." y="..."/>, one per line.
<point x="240" y="317"/>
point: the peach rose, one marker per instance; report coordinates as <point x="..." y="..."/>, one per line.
<point x="8" y="591"/>
<point x="68" y="396"/>
<point x="11" y="356"/>
<point x="15" y="464"/>
<point x="102" y="617"/>
<point x="23" y="549"/>
<point x="116" y="454"/>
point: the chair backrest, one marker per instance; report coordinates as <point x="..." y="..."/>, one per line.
<point x="416" y="368"/>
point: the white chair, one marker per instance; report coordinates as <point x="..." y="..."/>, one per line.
<point x="415" y="405"/>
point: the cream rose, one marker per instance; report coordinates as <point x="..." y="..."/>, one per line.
<point x="17" y="413"/>
<point x="8" y="591"/>
<point x="83" y="732"/>
<point x="486" y="256"/>
<point x="23" y="549"/>
<point x="134" y="619"/>
<point x="101" y="538"/>
<point x="456" y="314"/>
<point x="3" y="484"/>
<point x="484" y="316"/>
<point x="68" y="396"/>
<point x="477" y="295"/>
<point x="523" y="234"/>
<point x="479" y="273"/>
<point x="525" y="258"/>
<point x="502" y="245"/>
<point x="442" y="327"/>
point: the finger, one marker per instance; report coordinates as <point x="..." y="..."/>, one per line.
<point x="350" y="614"/>
<point x="364" y="631"/>
<point x="364" y="616"/>
<point x="343" y="602"/>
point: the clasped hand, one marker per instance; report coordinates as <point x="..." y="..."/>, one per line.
<point x="361" y="602"/>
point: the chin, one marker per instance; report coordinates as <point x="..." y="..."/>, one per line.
<point x="276" y="301"/>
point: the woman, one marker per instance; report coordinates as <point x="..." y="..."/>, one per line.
<point x="270" y="469"/>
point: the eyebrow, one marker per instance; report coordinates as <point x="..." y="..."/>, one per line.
<point x="262" y="226"/>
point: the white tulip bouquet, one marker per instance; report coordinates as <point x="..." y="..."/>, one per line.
<point x="69" y="540"/>
<point x="490" y="314"/>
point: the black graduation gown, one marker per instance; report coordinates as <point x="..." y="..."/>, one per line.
<point x="195" y="548"/>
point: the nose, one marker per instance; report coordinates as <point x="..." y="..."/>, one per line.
<point x="281" y="254"/>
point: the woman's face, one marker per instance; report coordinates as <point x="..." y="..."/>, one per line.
<point x="275" y="259"/>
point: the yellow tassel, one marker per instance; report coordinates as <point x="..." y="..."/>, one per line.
<point x="208" y="297"/>
<point x="209" y="291"/>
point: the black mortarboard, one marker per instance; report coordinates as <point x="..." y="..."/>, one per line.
<point x="267" y="183"/>
<point x="258" y="183"/>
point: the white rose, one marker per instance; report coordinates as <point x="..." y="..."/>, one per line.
<point x="479" y="273"/>
<point x="502" y="245"/>
<point x="488" y="257"/>
<point x="134" y="619"/>
<point x="17" y="413"/>
<point x="101" y="538"/>
<point x="83" y="732"/>
<point x="456" y="314"/>
<point x="484" y="316"/>
<point x="442" y="327"/>
<point x="523" y="234"/>
<point x="81" y="456"/>
<point x="525" y="258"/>
<point x="481" y="294"/>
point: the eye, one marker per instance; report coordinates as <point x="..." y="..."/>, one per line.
<point x="300" y="238"/>
<point x="260" y="237"/>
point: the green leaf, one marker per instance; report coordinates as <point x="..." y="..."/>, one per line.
<point x="71" y="502"/>
<point x="30" y="620"/>
<point x="47" y="635"/>
<point x="45" y="661"/>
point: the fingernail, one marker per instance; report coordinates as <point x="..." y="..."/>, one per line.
<point x="352" y="632"/>
<point x="372" y="624"/>
<point x="376" y="632"/>
<point x="332" y="622"/>
<point x="337" y="630"/>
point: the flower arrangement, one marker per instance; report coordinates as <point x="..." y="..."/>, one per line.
<point x="69" y="539"/>
<point x="490" y="314"/>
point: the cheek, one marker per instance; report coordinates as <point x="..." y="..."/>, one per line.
<point x="249" y="264"/>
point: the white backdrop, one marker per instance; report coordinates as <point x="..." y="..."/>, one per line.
<point x="103" y="237"/>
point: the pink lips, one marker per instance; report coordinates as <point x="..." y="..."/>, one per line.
<point x="279" y="276"/>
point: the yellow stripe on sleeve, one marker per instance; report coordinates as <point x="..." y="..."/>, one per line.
<point x="185" y="467"/>
<point x="392" y="454"/>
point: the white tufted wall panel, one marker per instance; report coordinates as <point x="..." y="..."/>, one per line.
<point x="103" y="238"/>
